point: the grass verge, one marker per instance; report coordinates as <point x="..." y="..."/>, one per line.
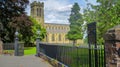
<point x="29" y="50"/>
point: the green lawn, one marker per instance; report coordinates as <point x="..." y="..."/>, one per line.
<point x="29" y="50"/>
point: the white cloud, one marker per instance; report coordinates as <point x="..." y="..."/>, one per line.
<point x="51" y="16"/>
<point x="65" y="8"/>
<point x="57" y="11"/>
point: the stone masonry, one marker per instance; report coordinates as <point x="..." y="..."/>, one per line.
<point x="112" y="47"/>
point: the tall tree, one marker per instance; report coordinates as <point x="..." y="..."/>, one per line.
<point x="36" y="26"/>
<point x="76" y="23"/>
<point x="23" y="25"/>
<point x="106" y="14"/>
<point x="10" y="9"/>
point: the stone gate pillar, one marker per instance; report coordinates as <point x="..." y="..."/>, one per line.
<point x="112" y="47"/>
<point x="1" y="47"/>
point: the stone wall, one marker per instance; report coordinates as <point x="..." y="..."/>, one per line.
<point x="112" y="47"/>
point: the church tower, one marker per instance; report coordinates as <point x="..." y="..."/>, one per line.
<point x="37" y="12"/>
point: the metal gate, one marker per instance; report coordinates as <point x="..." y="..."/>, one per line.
<point x="9" y="48"/>
<point x="90" y="55"/>
<point x="96" y="52"/>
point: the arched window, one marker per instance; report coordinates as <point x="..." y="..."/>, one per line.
<point x="37" y="12"/>
<point x="53" y="38"/>
<point x="32" y="11"/>
<point x="49" y="27"/>
<point x="66" y="39"/>
<point x="59" y="37"/>
<point x="62" y="28"/>
<point x="47" y="38"/>
<point x="52" y="28"/>
<point x="40" y="12"/>
<point x="59" y="28"/>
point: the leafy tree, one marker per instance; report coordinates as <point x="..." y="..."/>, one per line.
<point x="106" y="14"/>
<point x="88" y="18"/>
<point x="10" y="11"/>
<point x="36" y="26"/>
<point x="23" y="25"/>
<point x="76" y="23"/>
<point x="27" y="26"/>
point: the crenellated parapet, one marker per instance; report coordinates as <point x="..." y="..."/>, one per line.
<point x="37" y="11"/>
<point x="35" y="3"/>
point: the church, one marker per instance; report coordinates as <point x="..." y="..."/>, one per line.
<point x="56" y="33"/>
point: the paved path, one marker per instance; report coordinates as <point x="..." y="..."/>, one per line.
<point x="22" y="61"/>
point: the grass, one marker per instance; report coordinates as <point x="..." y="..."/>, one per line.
<point x="83" y="55"/>
<point x="29" y="50"/>
<point x="79" y="57"/>
<point x="11" y="52"/>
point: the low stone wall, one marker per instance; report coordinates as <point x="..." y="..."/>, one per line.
<point x="112" y="47"/>
<point x="52" y="61"/>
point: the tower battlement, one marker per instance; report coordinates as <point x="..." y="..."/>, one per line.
<point x="35" y="3"/>
<point x="37" y="11"/>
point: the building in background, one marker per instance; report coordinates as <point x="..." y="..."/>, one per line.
<point x="56" y="33"/>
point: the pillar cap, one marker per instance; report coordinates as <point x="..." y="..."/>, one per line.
<point x="113" y="34"/>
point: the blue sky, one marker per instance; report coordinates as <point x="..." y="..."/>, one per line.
<point x="58" y="11"/>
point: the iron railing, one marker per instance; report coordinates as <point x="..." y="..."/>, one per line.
<point x="9" y="48"/>
<point x="81" y="56"/>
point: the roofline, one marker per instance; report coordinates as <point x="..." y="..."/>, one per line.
<point x="56" y="24"/>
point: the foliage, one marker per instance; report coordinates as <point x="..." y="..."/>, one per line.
<point x="36" y="26"/>
<point x="23" y="25"/>
<point x="76" y="23"/>
<point x="10" y="11"/>
<point x="106" y="14"/>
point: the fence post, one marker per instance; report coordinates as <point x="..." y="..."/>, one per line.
<point x="37" y="46"/>
<point x="1" y="47"/>
<point x="92" y="39"/>
<point x="37" y="43"/>
<point x="16" y="44"/>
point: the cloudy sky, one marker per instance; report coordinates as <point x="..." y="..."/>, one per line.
<point x="58" y="11"/>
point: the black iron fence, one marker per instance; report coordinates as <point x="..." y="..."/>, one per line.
<point x="81" y="56"/>
<point x="9" y="48"/>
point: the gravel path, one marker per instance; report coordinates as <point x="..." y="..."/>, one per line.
<point x="22" y="61"/>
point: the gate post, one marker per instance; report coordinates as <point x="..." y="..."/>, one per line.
<point x="1" y="47"/>
<point x="112" y="47"/>
<point x="92" y="39"/>
<point x="37" y="46"/>
<point x="37" y="43"/>
<point x="16" y="44"/>
<point x="1" y="43"/>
